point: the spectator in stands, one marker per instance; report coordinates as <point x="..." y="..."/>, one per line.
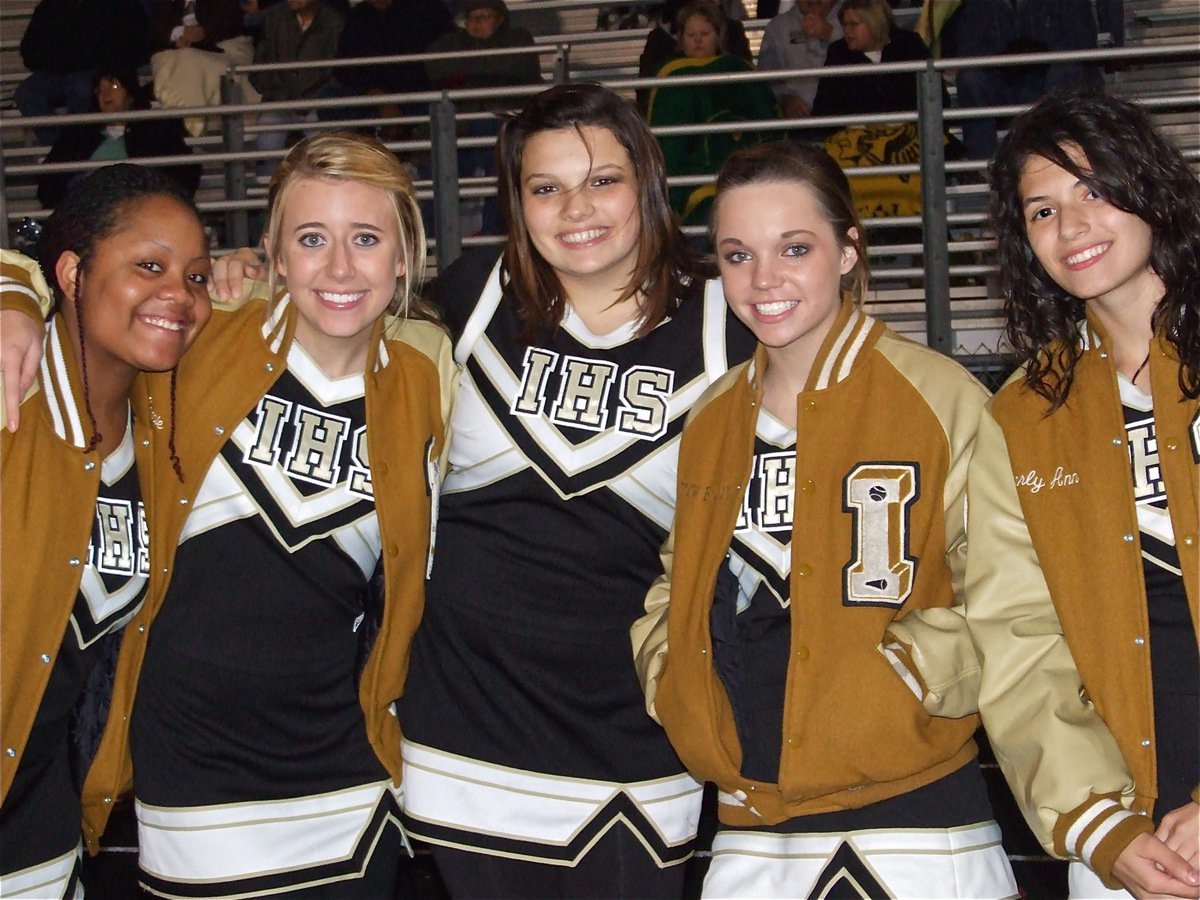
<point x="996" y="27"/>
<point x="485" y="26"/>
<point x="798" y="39"/>
<point x="116" y="90"/>
<point x="704" y="50"/>
<point x="65" y="43"/>
<point x="194" y="42"/>
<point x="662" y="45"/>
<point x="295" y="31"/>
<point x="869" y="36"/>
<point x="387" y="28"/>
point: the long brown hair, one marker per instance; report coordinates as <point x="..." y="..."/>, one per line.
<point x="664" y="267"/>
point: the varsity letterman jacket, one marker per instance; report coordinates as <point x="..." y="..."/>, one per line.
<point x="879" y="414"/>
<point x="50" y="487"/>
<point x="410" y="379"/>
<point x="1056" y="598"/>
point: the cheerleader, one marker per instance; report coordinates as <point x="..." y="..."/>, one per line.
<point x="530" y="764"/>
<point x="1082" y="587"/>
<point x="805" y="649"/>
<point x="128" y="261"/>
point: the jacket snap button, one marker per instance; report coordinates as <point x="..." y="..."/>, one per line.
<point x="45" y="657"/>
<point x="10" y="752"/>
<point x="88" y="466"/>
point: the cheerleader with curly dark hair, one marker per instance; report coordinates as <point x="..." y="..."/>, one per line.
<point x="1082" y="578"/>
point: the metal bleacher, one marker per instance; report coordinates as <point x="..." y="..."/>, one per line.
<point x="575" y="48"/>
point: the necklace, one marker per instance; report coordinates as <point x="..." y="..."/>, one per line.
<point x="1138" y="370"/>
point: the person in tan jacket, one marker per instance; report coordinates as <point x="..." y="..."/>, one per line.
<point x="805" y="649"/>
<point x="1082" y="587"/>
<point x="128" y="260"/>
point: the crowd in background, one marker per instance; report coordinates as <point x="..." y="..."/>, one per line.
<point x="76" y="54"/>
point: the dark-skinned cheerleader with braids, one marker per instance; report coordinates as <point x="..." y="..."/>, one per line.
<point x="126" y="261"/>
<point x="252" y="711"/>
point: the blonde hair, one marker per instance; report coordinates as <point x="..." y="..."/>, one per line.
<point x="346" y="156"/>
<point x="875" y="14"/>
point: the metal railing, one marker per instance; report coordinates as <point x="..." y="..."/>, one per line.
<point x="445" y="189"/>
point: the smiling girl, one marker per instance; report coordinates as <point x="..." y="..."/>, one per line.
<point x="128" y="260"/>
<point x="804" y="649"/>
<point x="1082" y="578"/>
<point x="583" y="347"/>
<point x="262" y="760"/>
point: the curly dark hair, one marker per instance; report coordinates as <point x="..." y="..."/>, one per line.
<point x="1138" y="171"/>
<point x="665" y="267"/>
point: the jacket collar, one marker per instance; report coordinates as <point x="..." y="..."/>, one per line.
<point x="853" y="332"/>
<point x="1092" y="336"/>
<point x="279" y="330"/>
<point x="62" y="384"/>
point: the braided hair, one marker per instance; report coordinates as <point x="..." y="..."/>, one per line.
<point x="92" y="211"/>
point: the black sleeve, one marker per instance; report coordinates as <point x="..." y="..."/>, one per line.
<point x="75" y="143"/>
<point x="456" y="291"/>
<point x="828" y="101"/>
<point x="164" y="137"/>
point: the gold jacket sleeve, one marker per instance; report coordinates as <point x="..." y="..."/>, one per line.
<point x="649" y="633"/>
<point x="1061" y="761"/>
<point x="936" y="641"/>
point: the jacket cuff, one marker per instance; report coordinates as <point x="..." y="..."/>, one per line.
<point x="1097" y="832"/>
<point x="22" y="287"/>
<point x="899" y="655"/>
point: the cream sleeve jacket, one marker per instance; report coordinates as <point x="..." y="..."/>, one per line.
<point x="410" y="380"/>
<point x="879" y="413"/>
<point x="1056" y="598"/>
